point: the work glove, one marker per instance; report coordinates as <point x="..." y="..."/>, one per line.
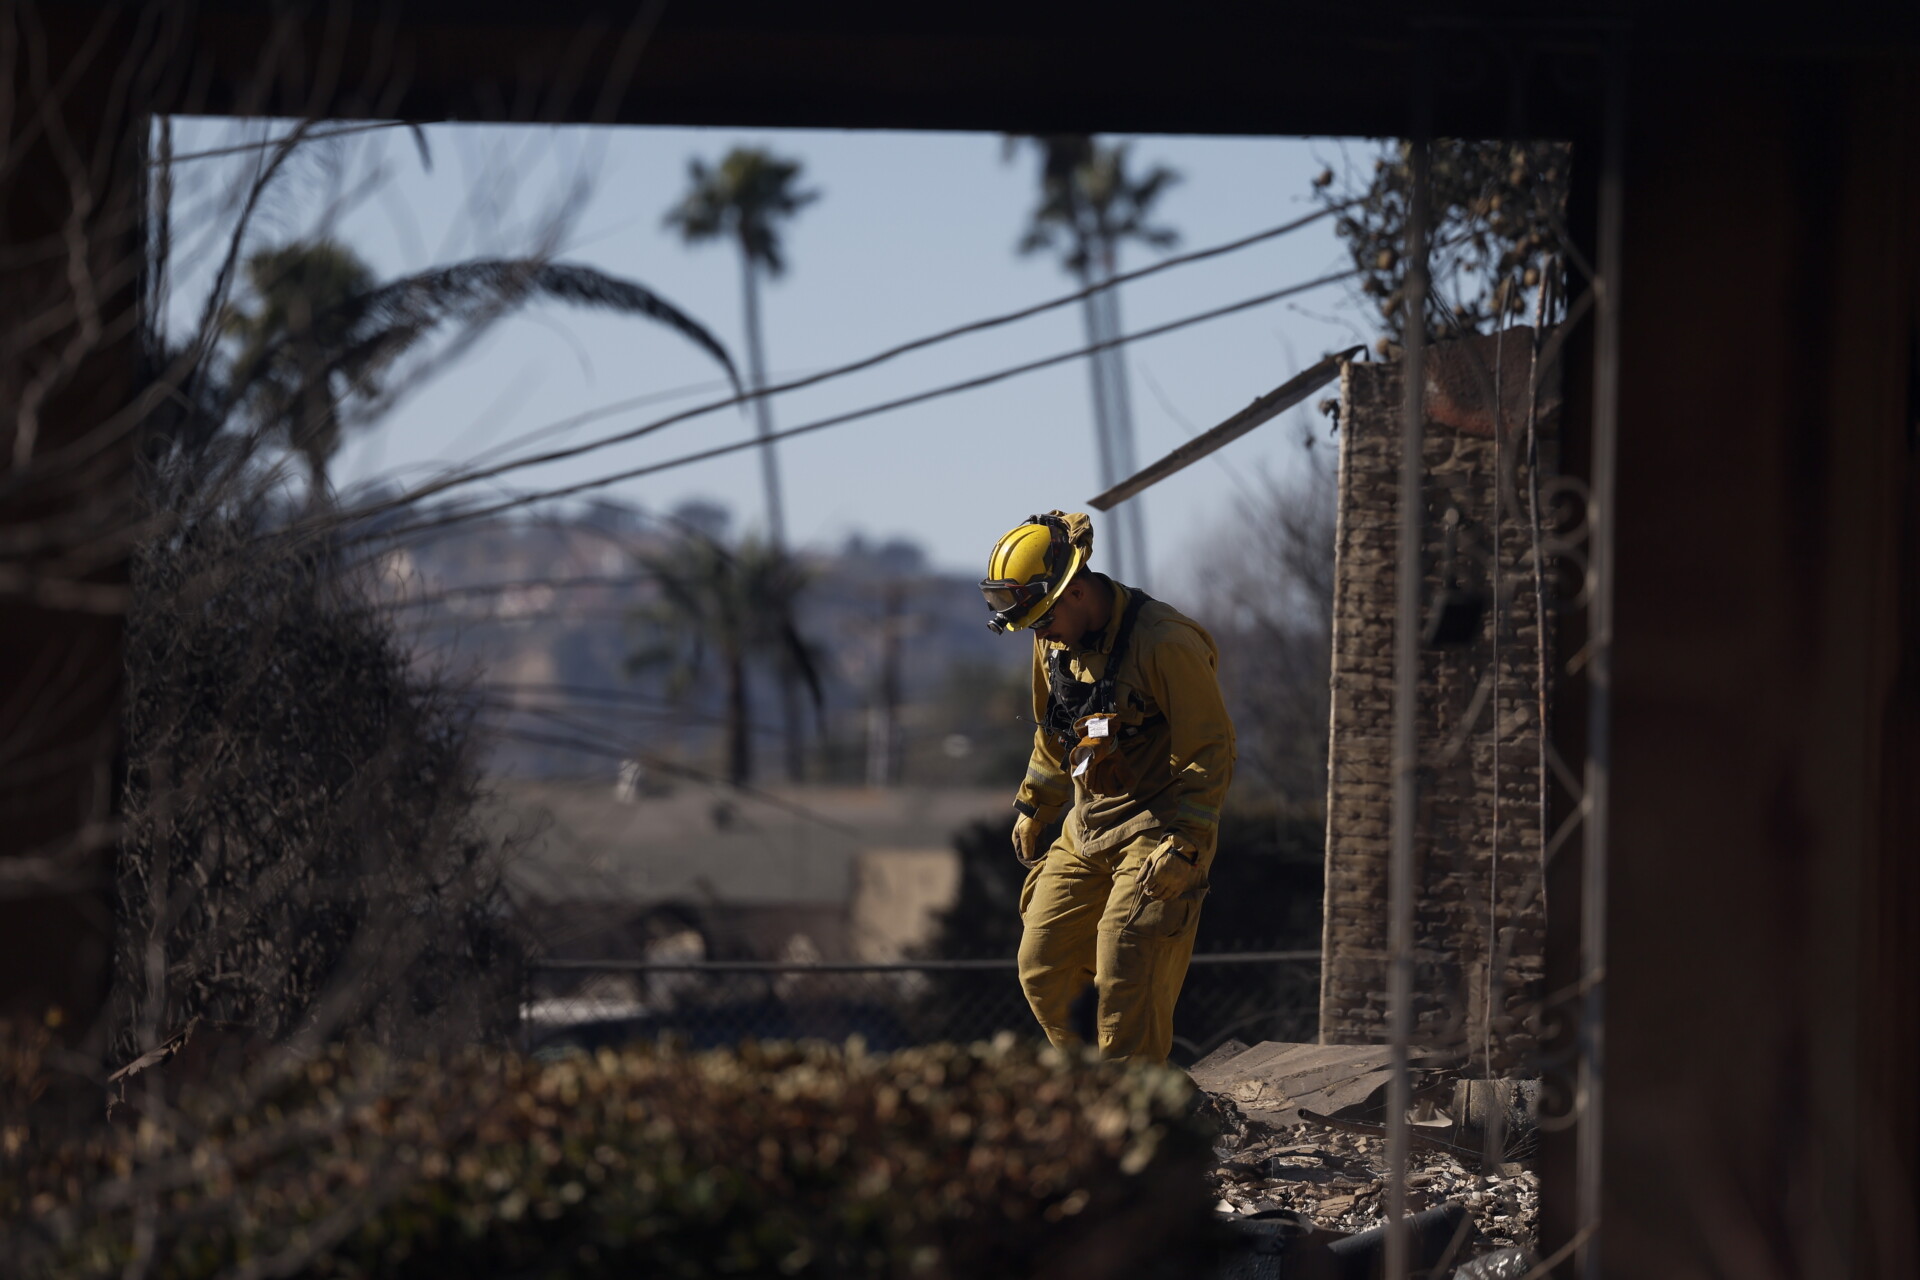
<point x="1026" y="841"/>
<point x="1171" y="869"/>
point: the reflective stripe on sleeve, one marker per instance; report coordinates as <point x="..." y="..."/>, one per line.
<point x="1207" y="815"/>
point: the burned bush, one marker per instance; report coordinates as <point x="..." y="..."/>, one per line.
<point x="300" y="850"/>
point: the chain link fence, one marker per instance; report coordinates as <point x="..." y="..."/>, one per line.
<point x="587" y="1004"/>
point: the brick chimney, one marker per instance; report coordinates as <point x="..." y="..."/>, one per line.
<point x="1479" y="908"/>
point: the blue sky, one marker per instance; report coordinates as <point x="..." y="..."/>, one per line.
<point x="913" y="232"/>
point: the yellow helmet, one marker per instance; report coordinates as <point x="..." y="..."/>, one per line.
<point x="1031" y="565"/>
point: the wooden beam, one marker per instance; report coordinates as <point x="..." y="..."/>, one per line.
<point x="1265" y="409"/>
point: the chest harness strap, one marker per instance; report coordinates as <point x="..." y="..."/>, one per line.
<point x="1069" y="699"/>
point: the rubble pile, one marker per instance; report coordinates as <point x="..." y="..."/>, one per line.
<point x="1340" y="1181"/>
<point x="1302" y="1131"/>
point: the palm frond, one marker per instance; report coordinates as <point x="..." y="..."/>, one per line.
<point x="360" y="334"/>
<point x="1088" y="201"/>
<point x="411" y="306"/>
<point x="745" y="196"/>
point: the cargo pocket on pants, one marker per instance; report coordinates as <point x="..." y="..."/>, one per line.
<point x="1027" y="888"/>
<point x="1153" y="918"/>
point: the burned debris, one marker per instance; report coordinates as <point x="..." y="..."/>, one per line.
<point x="1302" y="1142"/>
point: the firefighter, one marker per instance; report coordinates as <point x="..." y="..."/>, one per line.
<point x="1133" y="746"/>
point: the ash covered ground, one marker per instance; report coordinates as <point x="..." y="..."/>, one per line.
<point x="1340" y="1179"/>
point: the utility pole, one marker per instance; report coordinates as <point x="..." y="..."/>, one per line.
<point x="1088" y="206"/>
<point x="1131" y="531"/>
<point x="746" y="198"/>
<point x="762" y="404"/>
<point x="1107" y="457"/>
<point x="793" y="753"/>
<point x="883" y="711"/>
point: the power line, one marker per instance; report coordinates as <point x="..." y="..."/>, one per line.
<point x="674" y="769"/>
<point x="495" y="696"/>
<point x="580" y="721"/>
<point x="855" y="415"/>
<point x="431" y="488"/>
<point x="563" y="425"/>
<point x="549" y="616"/>
<point x="486" y="697"/>
<point x="586" y="691"/>
<point x="507" y="710"/>
<point x="498" y="588"/>
<point x="241" y="148"/>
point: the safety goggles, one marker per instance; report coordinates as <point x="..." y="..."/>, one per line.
<point x="1009" y="599"/>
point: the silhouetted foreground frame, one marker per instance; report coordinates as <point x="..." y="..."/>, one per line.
<point x="1762" y="976"/>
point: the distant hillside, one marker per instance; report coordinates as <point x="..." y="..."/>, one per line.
<point x="538" y="615"/>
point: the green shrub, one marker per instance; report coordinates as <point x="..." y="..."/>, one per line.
<point x="990" y="1160"/>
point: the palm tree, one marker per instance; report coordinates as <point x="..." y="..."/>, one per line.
<point x="318" y="331"/>
<point x="720" y="612"/>
<point x="745" y="199"/>
<point x="1089" y="205"/>
<point x="299" y="318"/>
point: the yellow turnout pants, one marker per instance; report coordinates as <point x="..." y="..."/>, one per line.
<point x="1085" y="920"/>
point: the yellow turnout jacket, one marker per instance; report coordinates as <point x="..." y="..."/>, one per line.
<point x="1182" y="757"/>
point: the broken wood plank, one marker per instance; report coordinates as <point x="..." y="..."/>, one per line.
<point x="1266" y="408"/>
